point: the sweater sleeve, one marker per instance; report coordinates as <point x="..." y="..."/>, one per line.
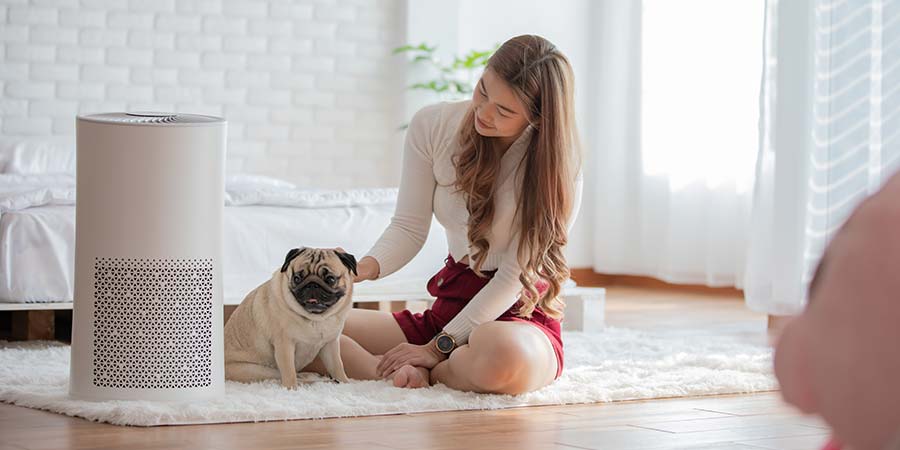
<point x="502" y="291"/>
<point x="409" y="226"/>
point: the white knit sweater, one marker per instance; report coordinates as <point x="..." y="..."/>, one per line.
<point x="427" y="187"/>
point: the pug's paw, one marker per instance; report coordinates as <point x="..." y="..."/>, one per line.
<point x="309" y="378"/>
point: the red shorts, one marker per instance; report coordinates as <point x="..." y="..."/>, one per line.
<point x="459" y="285"/>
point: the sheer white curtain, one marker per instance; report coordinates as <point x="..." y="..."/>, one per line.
<point x="674" y="137"/>
<point x="830" y="135"/>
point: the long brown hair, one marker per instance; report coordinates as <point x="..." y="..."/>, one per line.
<point x="542" y="79"/>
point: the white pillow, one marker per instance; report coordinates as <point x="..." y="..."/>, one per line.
<point x="257" y="181"/>
<point x="31" y="156"/>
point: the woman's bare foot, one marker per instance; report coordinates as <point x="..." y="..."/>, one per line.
<point x="411" y="377"/>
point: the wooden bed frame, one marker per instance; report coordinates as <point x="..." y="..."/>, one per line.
<point x="585" y="308"/>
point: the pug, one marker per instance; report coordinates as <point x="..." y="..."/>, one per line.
<point x="298" y="314"/>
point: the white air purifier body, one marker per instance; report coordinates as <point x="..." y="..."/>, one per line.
<point x="147" y="321"/>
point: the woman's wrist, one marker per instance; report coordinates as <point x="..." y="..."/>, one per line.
<point x="431" y="346"/>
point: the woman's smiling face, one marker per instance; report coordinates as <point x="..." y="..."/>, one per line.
<point x="498" y="111"/>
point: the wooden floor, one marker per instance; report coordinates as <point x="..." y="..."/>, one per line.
<point x="719" y="422"/>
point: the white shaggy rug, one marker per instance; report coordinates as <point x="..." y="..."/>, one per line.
<point x="615" y="364"/>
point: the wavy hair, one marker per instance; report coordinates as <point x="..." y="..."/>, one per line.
<point x="542" y="79"/>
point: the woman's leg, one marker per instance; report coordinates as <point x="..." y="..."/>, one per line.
<point x="502" y="358"/>
<point x="366" y="334"/>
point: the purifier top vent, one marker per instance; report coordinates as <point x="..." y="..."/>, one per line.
<point x="153" y="118"/>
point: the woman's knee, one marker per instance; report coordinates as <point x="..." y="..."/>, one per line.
<point x="376" y="331"/>
<point x="499" y="360"/>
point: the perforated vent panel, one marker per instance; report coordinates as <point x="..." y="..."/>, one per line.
<point x="153" y="323"/>
<point x="144" y="118"/>
<point x="152" y="119"/>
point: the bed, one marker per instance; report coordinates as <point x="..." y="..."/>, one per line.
<point x="264" y="217"/>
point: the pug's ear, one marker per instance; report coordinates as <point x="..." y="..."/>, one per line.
<point x="348" y="260"/>
<point x="293" y="253"/>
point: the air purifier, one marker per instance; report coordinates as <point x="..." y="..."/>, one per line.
<point x="147" y="321"/>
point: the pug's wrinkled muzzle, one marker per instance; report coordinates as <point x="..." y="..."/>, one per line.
<point x="316" y="298"/>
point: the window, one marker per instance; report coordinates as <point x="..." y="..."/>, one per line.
<point x="701" y="71"/>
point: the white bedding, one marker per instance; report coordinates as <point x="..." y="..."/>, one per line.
<point x="264" y="218"/>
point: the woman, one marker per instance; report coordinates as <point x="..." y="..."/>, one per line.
<point x="501" y="174"/>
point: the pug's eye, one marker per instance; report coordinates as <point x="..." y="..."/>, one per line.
<point x="330" y="279"/>
<point x="297" y="279"/>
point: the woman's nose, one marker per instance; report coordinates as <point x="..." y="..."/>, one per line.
<point x="488" y="113"/>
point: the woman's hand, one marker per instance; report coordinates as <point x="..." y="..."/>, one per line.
<point x="426" y="356"/>
<point x="366" y="268"/>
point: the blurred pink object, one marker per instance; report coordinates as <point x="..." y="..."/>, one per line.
<point x="833" y="444"/>
<point x="839" y="358"/>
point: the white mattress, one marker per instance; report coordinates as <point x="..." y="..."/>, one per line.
<point x="264" y="218"/>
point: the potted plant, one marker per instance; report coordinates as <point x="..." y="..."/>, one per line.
<point x="450" y="81"/>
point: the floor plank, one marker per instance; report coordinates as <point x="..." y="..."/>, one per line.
<point x="791" y="443"/>
<point x="732" y="422"/>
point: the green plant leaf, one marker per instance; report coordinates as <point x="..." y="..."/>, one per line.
<point x="450" y="78"/>
<point x="433" y="85"/>
<point x="478" y="59"/>
<point x="423" y="47"/>
<point x="403" y="49"/>
<point x="461" y="87"/>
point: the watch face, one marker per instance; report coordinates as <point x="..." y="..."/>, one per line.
<point x="444" y="343"/>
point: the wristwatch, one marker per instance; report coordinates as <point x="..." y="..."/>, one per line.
<point x="444" y="343"/>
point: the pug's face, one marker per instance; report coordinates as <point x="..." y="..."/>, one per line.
<point x="317" y="279"/>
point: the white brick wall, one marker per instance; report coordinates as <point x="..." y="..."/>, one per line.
<point x="309" y="87"/>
